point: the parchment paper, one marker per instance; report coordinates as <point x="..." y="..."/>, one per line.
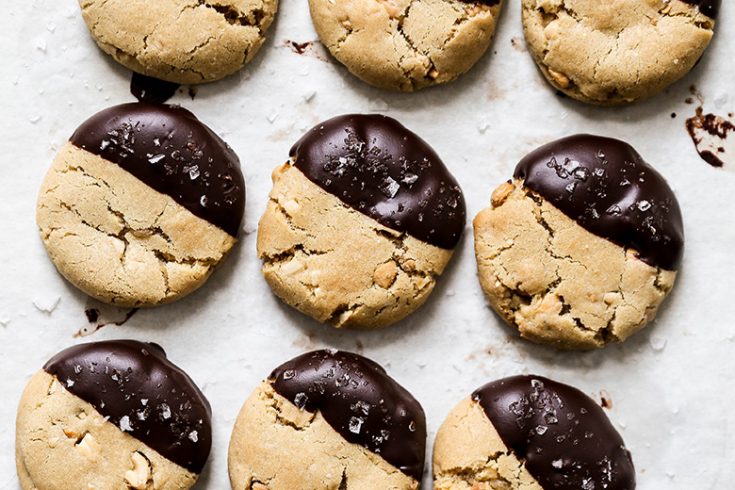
<point x="670" y="386"/>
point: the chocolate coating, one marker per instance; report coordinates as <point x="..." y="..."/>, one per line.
<point x="710" y="8"/>
<point x="563" y="437"/>
<point x="170" y="150"/>
<point x="143" y="393"/>
<point x="149" y="89"/>
<point x="361" y="402"/>
<point x="605" y="186"/>
<point x="375" y="165"/>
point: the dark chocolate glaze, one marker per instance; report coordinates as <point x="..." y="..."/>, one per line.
<point x="375" y="165"/>
<point x="710" y="8"/>
<point x="148" y="89"/>
<point x="605" y="186"/>
<point x="170" y="150"/>
<point x="563" y="437"/>
<point x="361" y="402"/>
<point x="143" y="393"/>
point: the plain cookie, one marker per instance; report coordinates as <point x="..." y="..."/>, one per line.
<point x="181" y="41"/>
<point x="582" y="246"/>
<point x="360" y="224"/>
<point x="328" y="420"/>
<point x="406" y="44"/>
<point x="530" y="433"/>
<point x="620" y="51"/>
<point x="112" y="415"/>
<point x="141" y="205"/>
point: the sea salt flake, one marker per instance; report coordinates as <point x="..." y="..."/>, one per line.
<point x="125" y="424"/>
<point x="300" y="400"/>
<point x="355" y="424"/>
<point x="154" y="159"/>
<point x="165" y="411"/>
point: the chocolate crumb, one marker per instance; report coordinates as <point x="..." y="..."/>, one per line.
<point x="605" y="400"/>
<point x="93" y="314"/>
<point x="709" y="132"/>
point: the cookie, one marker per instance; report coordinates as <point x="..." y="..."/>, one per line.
<point x="406" y="44"/>
<point x="360" y="223"/>
<point x="582" y="246"/>
<point x="181" y="41"/>
<point x="112" y="414"/>
<point x="328" y="420"/>
<point x="530" y="433"/>
<point x="141" y="205"/>
<point x="616" y="53"/>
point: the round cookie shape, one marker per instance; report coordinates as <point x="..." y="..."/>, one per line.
<point x="361" y="402"/>
<point x="170" y="150"/>
<point x="329" y="419"/>
<point x="406" y="45"/>
<point x="141" y="204"/>
<point x="531" y="432"/>
<point x="375" y="165"/>
<point x="142" y="392"/>
<point x="605" y="185"/>
<point x="607" y="54"/>
<point x="360" y="223"/>
<point x="180" y="41"/>
<point x="582" y="246"/>
<point x="123" y="416"/>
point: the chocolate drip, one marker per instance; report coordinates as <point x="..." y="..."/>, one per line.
<point x="378" y="167"/>
<point x="170" y="150"/>
<point x="605" y="186"/>
<point x="143" y="393"/>
<point x="710" y="8"/>
<point x="561" y="435"/>
<point x="361" y="402"/>
<point x="148" y="89"/>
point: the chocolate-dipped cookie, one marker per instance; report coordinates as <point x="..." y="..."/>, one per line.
<point x="582" y="246"/>
<point x="328" y="419"/>
<point x="182" y="41"/>
<point x="360" y="223"/>
<point x="530" y="433"/>
<point x="112" y="414"/>
<point x="404" y="44"/>
<point x="616" y="53"/>
<point x="141" y="204"/>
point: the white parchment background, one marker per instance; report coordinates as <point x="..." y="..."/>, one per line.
<point x="670" y="385"/>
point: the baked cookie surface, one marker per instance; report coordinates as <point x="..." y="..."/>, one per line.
<point x="582" y="246"/>
<point x="360" y="223"/>
<point x="328" y="420"/>
<point x="141" y="204"/>
<point x="406" y="44"/>
<point x="181" y="41"/>
<point x="530" y="433"/>
<point x="113" y="415"/>
<point x="617" y="52"/>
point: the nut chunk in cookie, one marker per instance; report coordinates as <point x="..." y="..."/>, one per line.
<point x="582" y="246"/>
<point x="611" y="53"/>
<point x="141" y="205"/>
<point x="530" y="433"/>
<point x="328" y="420"/>
<point x="406" y="44"/>
<point x="361" y="222"/>
<point x="112" y="414"/>
<point x="180" y="41"/>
